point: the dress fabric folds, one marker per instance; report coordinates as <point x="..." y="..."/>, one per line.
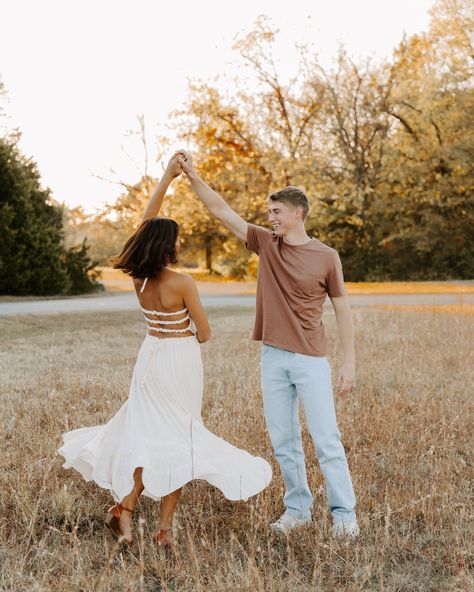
<point x="160" y="428"/>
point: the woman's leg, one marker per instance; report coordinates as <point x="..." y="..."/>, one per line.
<point x="130" y="501"/>
<point x="167" y="508"/>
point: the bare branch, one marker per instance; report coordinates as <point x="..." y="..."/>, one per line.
<point x="405" y="124"/>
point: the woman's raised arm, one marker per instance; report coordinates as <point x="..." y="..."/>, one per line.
<point x="172" y="171"/>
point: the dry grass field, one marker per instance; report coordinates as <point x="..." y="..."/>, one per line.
<point x="407" y="433"/>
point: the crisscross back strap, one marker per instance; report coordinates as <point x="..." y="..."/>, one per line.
<point x="151" y="323"/>
<point x="163" y="314"/>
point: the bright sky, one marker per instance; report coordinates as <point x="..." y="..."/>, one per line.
<point x="78" y="73"/>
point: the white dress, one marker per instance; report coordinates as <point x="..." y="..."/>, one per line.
<point x="160" y="428"/>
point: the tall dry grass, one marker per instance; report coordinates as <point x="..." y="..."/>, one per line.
<point x="407" y="433"/>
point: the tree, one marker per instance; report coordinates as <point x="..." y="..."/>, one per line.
<point x="429" y="190"/>
<point x="228" y="158"/>
<point x="32" y="257"/>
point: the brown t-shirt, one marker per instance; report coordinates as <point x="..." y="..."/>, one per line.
<point x="292" y="284"/>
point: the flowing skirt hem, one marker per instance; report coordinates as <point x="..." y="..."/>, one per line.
<point x="253" y="477"/>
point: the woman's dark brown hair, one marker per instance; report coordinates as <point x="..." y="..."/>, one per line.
<point x="150" y="248"/>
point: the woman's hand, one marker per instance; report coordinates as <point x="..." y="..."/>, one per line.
<point x="185" y="161"/>
<point x="173" y="168"/>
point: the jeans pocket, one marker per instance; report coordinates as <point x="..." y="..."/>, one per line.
<point x="265" y="354"/>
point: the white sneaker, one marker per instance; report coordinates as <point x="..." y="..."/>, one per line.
<point x="348" y="530"/>
<point x="288" y="522"/>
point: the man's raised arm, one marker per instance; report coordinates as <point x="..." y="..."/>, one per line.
<point x="212" y="200"/>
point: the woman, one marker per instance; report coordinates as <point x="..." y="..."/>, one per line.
<point x="157" y="442"/>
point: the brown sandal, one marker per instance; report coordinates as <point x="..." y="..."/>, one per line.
<point x="160" y="537"/>
<point x="112" y="521"/>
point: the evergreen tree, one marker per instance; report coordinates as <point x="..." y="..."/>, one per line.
<point x="33" y="260"/>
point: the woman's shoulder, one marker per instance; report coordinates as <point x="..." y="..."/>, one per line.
<point x="138" y="282"/>
<point x="178" y="278"/>
<point x="180" y="283"/>
<point x="164" y="276"/>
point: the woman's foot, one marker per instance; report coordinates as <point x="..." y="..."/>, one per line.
<point x="119" y="521"/>
<point x="161" y="537"/>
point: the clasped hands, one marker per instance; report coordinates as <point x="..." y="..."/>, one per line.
<point x="180" y="162"/>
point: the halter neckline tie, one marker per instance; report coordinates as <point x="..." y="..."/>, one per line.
<point x="143" y="285"/>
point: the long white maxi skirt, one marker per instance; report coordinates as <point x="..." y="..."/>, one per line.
<point x="160" y="429"/>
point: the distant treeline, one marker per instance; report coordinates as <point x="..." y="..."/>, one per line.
<point x="384" y="151"/>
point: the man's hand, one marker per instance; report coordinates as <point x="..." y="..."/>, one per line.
<point x="346" y="380"/>
<point x="185" y="161"/>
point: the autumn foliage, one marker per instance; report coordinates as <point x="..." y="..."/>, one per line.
<point x="383" y="150"/>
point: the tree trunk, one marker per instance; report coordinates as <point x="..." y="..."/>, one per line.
<point x="208" y="249"/>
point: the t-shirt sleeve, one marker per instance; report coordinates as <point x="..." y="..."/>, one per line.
<point x="257" y="237"/>
<point x="335" y="278"/>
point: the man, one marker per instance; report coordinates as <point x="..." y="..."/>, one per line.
<point x="296" y="272"/>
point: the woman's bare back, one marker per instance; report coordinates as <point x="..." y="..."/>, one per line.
<point x="164" y="294"/>
<point x="167" y="293"/>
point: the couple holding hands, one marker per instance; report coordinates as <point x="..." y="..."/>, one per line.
<point x="157" y="442"/>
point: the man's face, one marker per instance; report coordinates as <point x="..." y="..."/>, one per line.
<point x="283" y="217"/>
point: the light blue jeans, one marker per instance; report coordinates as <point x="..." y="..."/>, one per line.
<point x="286" y="378"/>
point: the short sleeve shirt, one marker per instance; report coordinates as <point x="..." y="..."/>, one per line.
<point x="292" y="284"/>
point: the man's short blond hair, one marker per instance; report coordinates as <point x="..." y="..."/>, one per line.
<point x="292" y="196"/>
